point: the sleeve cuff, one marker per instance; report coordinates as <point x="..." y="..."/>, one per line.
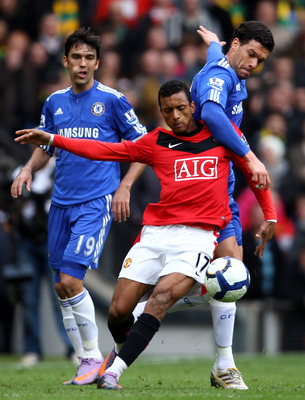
<point x="51" y="139"/>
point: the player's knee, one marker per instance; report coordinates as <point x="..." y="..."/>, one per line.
<point x="70" y="285"/>
<point x="61" y="294"/>
<point x="118" y="312"/>
<point x="229" y="248"/>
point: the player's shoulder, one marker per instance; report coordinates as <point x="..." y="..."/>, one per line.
<point x="58" y="94"/>
<point x="219" y="65"/>
<point x="108" y="92"/>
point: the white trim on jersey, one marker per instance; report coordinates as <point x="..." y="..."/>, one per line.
<point x="59" y="92"/>
<point x="224" y="63"/>
<point x="214" y="96"/>
<point x="142" y="131"/>
<point x="106" y="220"/>
<point x="107" y="89"/>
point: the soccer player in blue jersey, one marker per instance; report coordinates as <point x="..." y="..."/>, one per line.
<point x="87" y="194"/>
<point x="218" y="91"/>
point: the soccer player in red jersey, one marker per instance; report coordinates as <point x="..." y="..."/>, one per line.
<point x="179" y="234"/>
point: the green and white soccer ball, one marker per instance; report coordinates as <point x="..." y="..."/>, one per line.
<point x="227" y="279"/>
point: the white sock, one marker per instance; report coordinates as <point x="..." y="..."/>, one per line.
<point x="138" y="310"/>
<point x="223" y="316"/>
<point x="71" y="327"/>
<point x="84" y="314"/>
<point x="118" y="367"/>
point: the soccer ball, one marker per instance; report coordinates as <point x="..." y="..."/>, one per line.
<point x="227" y="279"/>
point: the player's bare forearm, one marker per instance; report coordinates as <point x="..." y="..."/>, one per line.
<point x="265" y="233"/>
<point x="121" y="198"/>
<point x="209" y="36"/>
<point x="33" y="136"/>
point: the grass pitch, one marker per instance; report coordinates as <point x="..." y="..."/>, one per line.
<point x="268" y="378"/>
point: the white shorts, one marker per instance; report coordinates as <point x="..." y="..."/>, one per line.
<point x="163" y="250"/>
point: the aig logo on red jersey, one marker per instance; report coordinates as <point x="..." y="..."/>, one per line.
<point x="196" y="168"/>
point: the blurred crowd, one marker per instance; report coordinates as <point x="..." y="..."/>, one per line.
<point x="144" y="44"/>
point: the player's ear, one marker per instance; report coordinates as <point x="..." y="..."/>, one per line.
<point x="235" y="43"/>
<point x="192" y="107"/>
<point x="65" y="62"/>
<point x="97" y="64"/>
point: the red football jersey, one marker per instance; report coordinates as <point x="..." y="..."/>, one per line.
<point x="193" y="171"/>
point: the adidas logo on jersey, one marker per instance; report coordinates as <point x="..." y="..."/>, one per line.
<point x="59" y="111"/>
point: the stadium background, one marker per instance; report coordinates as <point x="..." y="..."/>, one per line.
<point x="145" y="43"/>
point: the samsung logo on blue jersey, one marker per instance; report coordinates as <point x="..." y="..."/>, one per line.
<point x="237" y="109"/>
<point x="79" y="132"/>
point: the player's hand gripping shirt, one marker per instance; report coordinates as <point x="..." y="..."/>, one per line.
<point x="101" y="114"/>
<point x="192" y="169"/>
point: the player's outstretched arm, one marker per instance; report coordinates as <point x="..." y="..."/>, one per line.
<point x="34" y="136"/>
<point x="209" y="36"/>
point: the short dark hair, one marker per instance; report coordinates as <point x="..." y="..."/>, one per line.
<point x="172" y="87"/>
<point x="254" y="30"/>
<point x="83" y="36"/>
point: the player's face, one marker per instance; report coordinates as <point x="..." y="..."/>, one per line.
<point x="81" y="63"/>
<point x="178" y="113"/>
<point x="245" y="58"/>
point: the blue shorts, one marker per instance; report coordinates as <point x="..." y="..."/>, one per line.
<point x="234" y="227"/>
<point x="77" y="235"/>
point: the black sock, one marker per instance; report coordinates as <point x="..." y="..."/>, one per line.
<point x="120" y="332"/>
<point x="139" y="337"/>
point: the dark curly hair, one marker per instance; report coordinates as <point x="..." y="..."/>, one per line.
<point x="172" y="87"/>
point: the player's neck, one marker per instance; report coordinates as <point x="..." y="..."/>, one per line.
<point x="80" y="88"/>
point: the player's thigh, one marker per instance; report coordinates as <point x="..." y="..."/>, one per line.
<point x="230" y="238"/>
<point x="126" y="296"/>
<point x="229" y="248"/>
<point x="144" y="261"/>
<point x="58" y="235"/>
<point x="89" y="226"/>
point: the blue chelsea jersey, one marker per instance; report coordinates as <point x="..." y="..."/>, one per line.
<point x="100" y="113"/>
<point x="218" y="82"/>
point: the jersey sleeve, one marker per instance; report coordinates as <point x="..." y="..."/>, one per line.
<point x="129" y="151"/>
<point x="214" y="52"/>
<point x="215" y="84"/>
<point x="222" y="130"/>
<point x="126" y="120"/>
